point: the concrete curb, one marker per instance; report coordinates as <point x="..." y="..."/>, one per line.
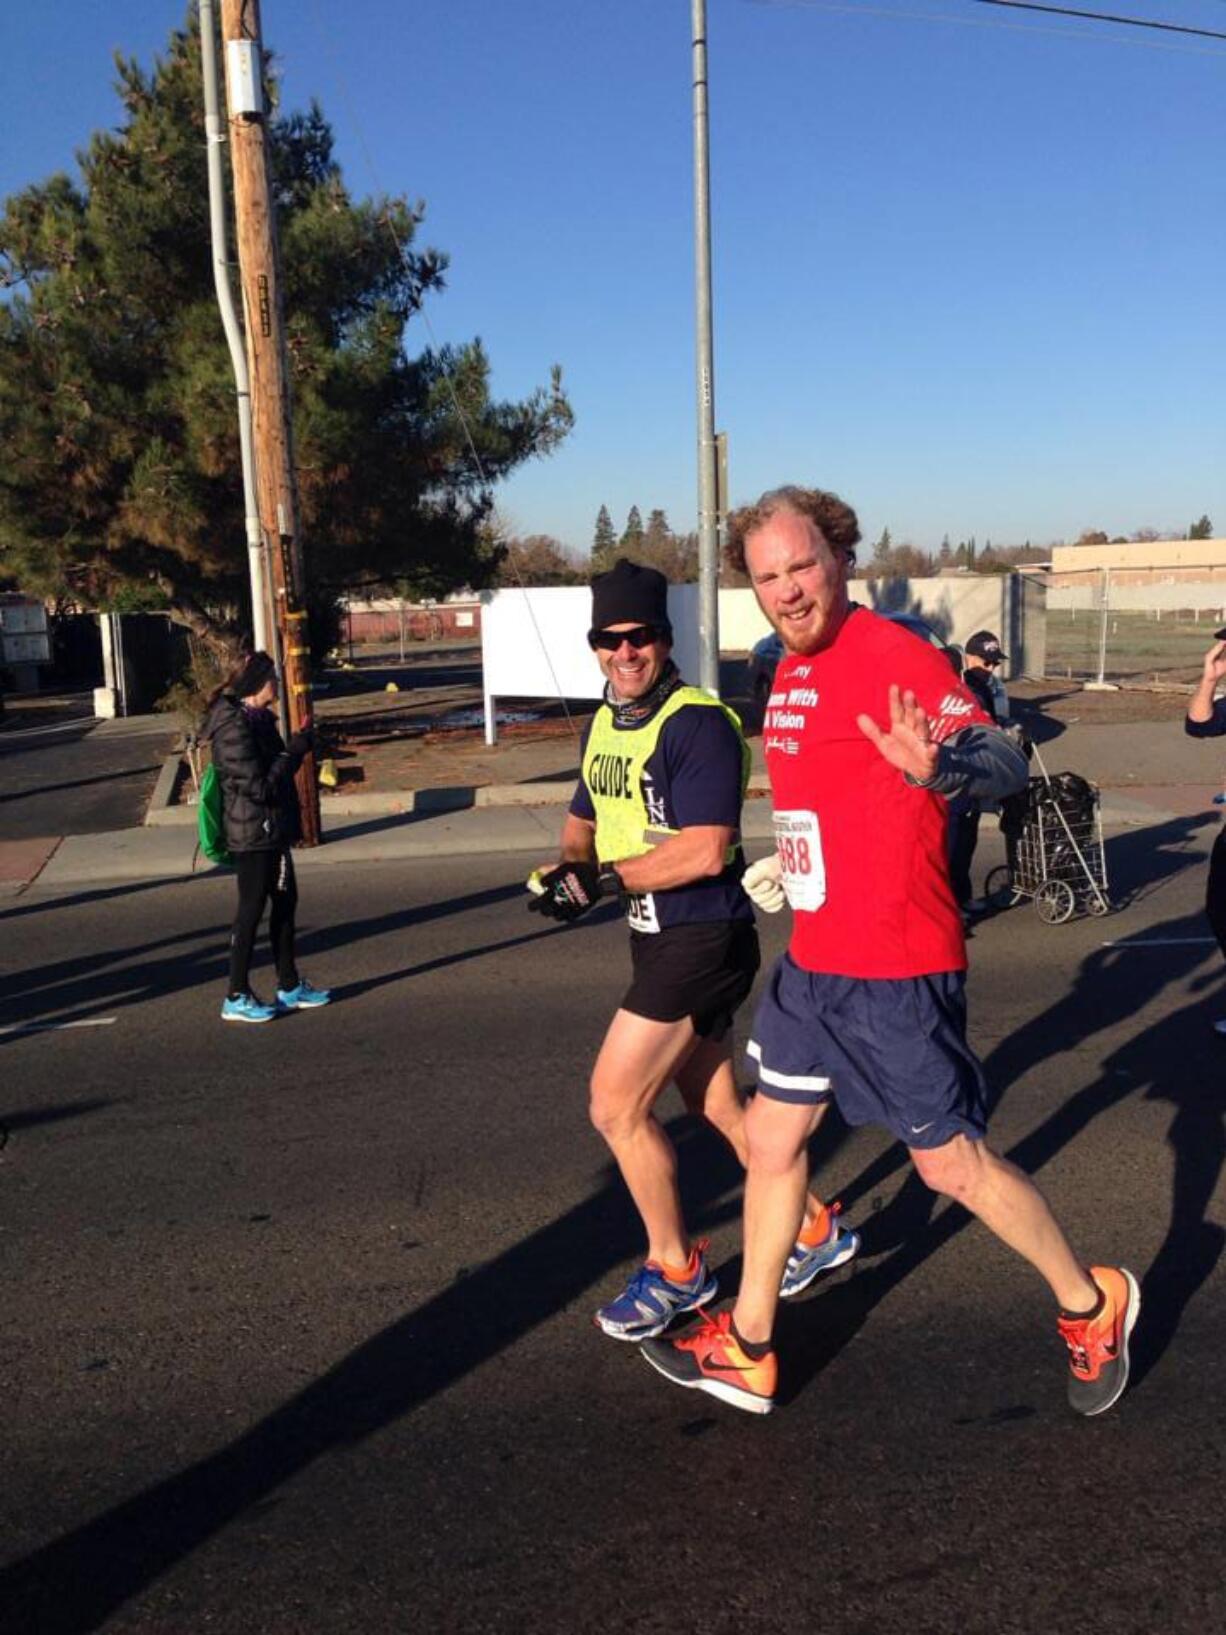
<point x="160" y="800"/>
<point x="163" y="812"/>
<point x="395" y="803"/>
<point x="165" y="851"/>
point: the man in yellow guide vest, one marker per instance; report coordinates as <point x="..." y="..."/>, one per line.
<point x="655" y="820"/>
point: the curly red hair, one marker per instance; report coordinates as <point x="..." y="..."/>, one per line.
<point x="837" y="522"/>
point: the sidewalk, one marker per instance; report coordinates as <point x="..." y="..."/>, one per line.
<point x="1148" y="770"/>
<point x="166" y="852"/>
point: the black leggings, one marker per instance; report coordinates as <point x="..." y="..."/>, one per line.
<point x="962" y="843"/>
<point x="1215" y="894"/>
<point x="264" y="876"/>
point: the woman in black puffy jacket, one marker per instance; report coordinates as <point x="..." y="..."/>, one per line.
<point x="260" y="803"/>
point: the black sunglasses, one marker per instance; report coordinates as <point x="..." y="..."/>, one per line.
<point x="608" y="641"/>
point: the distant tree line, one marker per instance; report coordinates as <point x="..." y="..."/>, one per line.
<point x="653" y="544"/>
<point x="887" y="560"/>
<point x="540" y="559"/>
<point x="1201" y="529"/>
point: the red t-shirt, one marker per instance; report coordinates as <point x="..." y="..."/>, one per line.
<point x="864" y="854"/>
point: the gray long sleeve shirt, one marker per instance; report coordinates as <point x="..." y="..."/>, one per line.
<point x="979" y="762"/>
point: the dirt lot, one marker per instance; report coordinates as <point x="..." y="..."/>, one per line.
<point x="1141" y="647"/>
<point x="429" y="734"/>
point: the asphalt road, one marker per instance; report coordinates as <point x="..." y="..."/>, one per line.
<point x="296" y="1333"/>
<point x="79" y="777"/>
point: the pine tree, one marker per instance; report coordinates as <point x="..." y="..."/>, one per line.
<point x="658" y="536"/>
<point x="631" y="541"/>
<point x="604" y="542"/>
<point x="119" y="461"/>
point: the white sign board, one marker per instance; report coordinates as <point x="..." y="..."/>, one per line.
<point x="534" y="644"/>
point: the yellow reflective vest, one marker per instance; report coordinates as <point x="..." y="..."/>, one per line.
<point x="629" y="822"/>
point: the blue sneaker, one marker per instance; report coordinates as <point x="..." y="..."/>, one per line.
<point x="805" y="1263"/>
<point x="303" y="997"/>
<point x="650" y="1300"/>
<point x="247" y="1008"/>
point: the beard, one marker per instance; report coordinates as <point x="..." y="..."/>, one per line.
<point x="799" y="639"/>
<point x="810" y="637"/>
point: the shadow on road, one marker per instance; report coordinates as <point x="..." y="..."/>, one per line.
<point x="48" y="904"/>
<point x="77" y="988"/>
<point x="76" y="1583"/>
<point x="1140" y="861"/>
<point x="69" y="732"/>
<point x="73" y="990"/>
<point x="29" y="1118"/>
<point x="81" y="783"/>
<point x="429" y="804"/>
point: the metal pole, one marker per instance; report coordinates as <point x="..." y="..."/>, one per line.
<point x="708" y="538"/>
<point x="1102" y="633"/>
<point x="261" y="625"/>
<point x="121" y="664"/>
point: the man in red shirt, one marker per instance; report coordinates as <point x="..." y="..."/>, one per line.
<point x="866" y="736"/>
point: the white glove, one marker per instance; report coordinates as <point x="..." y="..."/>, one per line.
<point x="761" y="884"/>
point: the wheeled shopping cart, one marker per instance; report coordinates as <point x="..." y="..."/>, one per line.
<point x="1054" y="835"/>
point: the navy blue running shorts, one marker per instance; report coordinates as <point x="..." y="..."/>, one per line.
<point x="889" y="1051"/>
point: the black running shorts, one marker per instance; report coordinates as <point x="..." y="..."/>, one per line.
<point x="701" y="971"/>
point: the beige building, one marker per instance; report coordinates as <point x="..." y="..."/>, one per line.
<point x="1161" y="561"/>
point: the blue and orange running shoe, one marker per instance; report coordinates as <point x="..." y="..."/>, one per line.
<point x="1098" y="1345"/>
<point x="711" y="1360"/>
<point x="650" y="1301"/>
<point x="808" y="1261"/>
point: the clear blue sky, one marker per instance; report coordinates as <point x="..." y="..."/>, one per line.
<point x="970" y="267"/>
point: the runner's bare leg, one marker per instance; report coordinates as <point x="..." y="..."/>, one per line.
<point x="638" y="1058"/>
<point x="709" y="1089"/>
<point x="1010" y="1205"/>
<point x="775" y="1187"/>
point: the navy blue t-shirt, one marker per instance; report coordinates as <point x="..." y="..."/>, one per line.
<point x="1215" y="727"/>
<point x="692" y="779"/>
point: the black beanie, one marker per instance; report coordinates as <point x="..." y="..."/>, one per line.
<point x="630" y="593"/>
<point x="257" y="670"/>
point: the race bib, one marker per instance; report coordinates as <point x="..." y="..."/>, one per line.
<point x="641" y="911"/>
<point x="802" y="868"/>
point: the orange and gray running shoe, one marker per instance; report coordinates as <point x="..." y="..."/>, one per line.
<point x="1098" y="1345"/>
<point x="711" y="1360"/>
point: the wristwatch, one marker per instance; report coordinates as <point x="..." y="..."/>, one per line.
<point x="609" y="881"/>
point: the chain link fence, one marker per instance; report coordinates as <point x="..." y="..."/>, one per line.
<point x="1112" y="627"/>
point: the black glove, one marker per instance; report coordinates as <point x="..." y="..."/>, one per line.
<point x="301" y="744"/>
<point x="571" y="889"/>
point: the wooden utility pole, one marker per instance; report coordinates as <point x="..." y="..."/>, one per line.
<point x="260" y="275"/>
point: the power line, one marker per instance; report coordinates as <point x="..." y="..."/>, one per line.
<point x="1105" y="17"/>
<point x="1142" y="41"/>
